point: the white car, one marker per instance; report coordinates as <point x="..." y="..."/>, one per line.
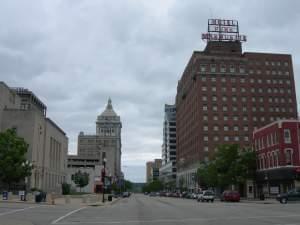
<point x="208" y="196"/>
<point x="199" y="196"/>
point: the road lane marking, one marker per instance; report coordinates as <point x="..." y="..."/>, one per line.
<point x="177" y="220"/>
<point x="68" y="214"/>
<point x="18" y="210"/>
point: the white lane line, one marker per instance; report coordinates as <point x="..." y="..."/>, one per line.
<point x="68" y="214"/>
<point x="18" y="210"/>
<point x="178" y="220"/>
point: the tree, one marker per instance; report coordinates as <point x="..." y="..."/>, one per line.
<point x="127" y="185"/>
<point x="13" y="164"/>
<point x="81" y="179"/>
<point x="154" y="186"/>
<point x="231" y="166"/>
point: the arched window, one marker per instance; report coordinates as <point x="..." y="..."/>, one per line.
<point x="289" y="156"/>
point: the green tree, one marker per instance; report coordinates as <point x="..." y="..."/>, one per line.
<point x="13" y="164"/>
<point x="231" y="166"/>
<point x="81" y="179"/>
<point x="127" y="185"/>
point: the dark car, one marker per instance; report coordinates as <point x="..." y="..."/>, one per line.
<point x="125" y="194"/>
<point x="230" y="196"/>
<point x="292" y="195"/>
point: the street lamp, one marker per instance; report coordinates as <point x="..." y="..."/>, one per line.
<point x="103" y="179"/>
<point x="25" y="165"/>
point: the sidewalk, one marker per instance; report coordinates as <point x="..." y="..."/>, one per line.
<point x="88" y="200"/>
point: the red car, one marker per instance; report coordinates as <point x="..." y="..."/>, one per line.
<point x="230" y="196"/>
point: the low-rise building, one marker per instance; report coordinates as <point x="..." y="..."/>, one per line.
<point x="153" y="168"/>
<point x="278" y="158"/>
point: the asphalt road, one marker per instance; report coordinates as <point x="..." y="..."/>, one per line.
<point x="144" y="210"/>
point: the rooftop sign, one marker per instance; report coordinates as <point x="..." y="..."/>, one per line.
<point x="223" y="30"/>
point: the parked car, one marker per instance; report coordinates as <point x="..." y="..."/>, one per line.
<point x="230" y="196"/>
<point x="194" y="196"/>
<point x="125" y="194"/>
<point x="207" y="196"/>
<point x="152" y="194"/>
<point x="292" y="195"/>
<point x="199" y="196"/>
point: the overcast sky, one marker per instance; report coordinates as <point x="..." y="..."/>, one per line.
<point x="74" y="54"/>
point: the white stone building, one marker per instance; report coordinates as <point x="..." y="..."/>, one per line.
<point x="23" y="111"/>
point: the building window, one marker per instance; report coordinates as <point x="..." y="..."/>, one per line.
<point x="287" y="136"/>
<point x="286" y="63"/>
<point x="243" y="90"/>
<point x="204" y="108"/>
<point x="215" y="108"/>
<point x="214" y="98"/>
<point x="225" y="118"/>
<point x="236" y="128"/>
<point x="213" y="79"/>
<point x="214" y="89"/>
<point x="203" y="79"/>
<point x="223" y="79"/>
<point x="224" y="98"/>
<point x="234" y="108"/>
<point x="213" y="68"/>
<point x="234" y="98"/>
<point x="205" y="128"/>
<point x="223" y="68"/>
<point x="245" y="128"/>
<point x="244" y="99"/>
<point x="205" y="118"/>
<point x="287" y="73"/>
<point x="202" y="68"/>
<point x="224" y="89"/>
<point x="204" y="98"/>
<point x="226" y="138"/>
<point x="232" y="69"/>
<point x="215" y="118"/>
<point x="226" y="128"/>
<point x="242" y="69"/>
<point x="224" y="108"/>
<point x="233" y="89"/>
<point x="289" y="156"/>
<point x="246" y="138"/>
<point x="242" y="80"/>
<point x="236" y="138"/>
<point x="216" y="138"/>
<point x="204" y="88"/>
<point x="205" y="138"/>
<point x="245" y="118"/>
<point x="206" y="148"/>
<point x="235" y="118"/>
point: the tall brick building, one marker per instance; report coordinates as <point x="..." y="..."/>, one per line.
<point x="223" y="95"/>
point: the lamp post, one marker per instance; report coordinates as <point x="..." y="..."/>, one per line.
<point x="25" y="165"/>
<point x="103" y="179"/>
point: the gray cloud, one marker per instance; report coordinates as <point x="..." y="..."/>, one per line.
<point x="75" y="54"/>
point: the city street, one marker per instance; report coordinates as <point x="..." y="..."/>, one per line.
<point x="140" y="209"/>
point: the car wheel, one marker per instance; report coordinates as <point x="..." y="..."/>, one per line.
<point x="283" y="200"/>
<point x="212" y="200"/>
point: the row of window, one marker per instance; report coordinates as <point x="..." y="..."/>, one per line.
<point x="244" y="109"/>
<point x="268" y="72"/>
<point x="245" y="118"/>
<point x="271" y="159"/>
<point x="269" y="63"/>
<point x="266" y="141"/>
<point x="253" y="90"/>
<point x="223" y="68"/>
<point x="227" y="138"/>
<point x="243" y="80"/>
<point x="272" y="139"/>
<point x="225" y="128"/>
<point x="234" y="98"/>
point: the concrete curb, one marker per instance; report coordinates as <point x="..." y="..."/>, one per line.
<point x="24" y="202"/>
<point x="105" y="203"/>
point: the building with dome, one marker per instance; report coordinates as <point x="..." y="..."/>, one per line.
<point x="94" y="149"/>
